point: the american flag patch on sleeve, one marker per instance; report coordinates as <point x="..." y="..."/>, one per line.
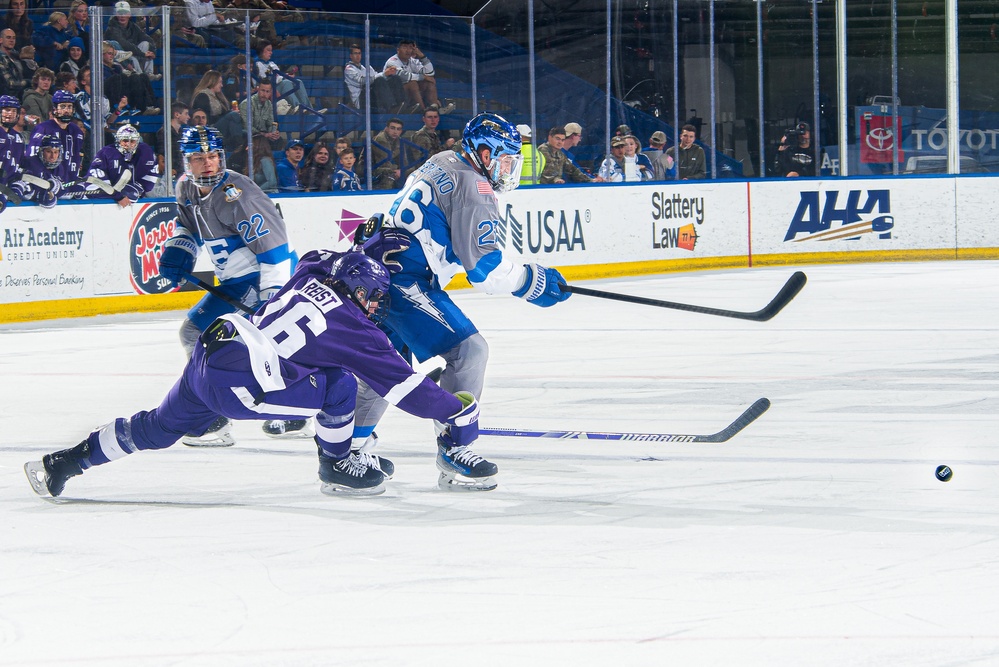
<point x="483" y="188"/>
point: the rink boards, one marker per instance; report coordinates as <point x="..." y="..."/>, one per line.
<point x="87" y="259"/>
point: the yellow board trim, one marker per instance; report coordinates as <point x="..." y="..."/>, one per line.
<point x="47" y="310"/>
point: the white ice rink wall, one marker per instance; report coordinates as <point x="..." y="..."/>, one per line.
<point x="86" y="259"/>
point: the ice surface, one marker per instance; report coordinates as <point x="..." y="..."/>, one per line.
<point x="817" y="536"/>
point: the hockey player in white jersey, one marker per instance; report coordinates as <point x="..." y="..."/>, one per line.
<point x="238" y="225"/>
<point x="443" y="221"/>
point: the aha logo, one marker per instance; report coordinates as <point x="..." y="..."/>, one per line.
<point x="154" y="224"/>
<point x="816" y="218"/>
<point x="547" y="231"/>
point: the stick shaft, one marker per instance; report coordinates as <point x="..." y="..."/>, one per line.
<point x="790" y="289"/>
<point x="215" y="291"/>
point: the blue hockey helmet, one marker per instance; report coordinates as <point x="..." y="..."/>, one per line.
<point x="127" y="140"/>
<point x="489" y="130"/>
<point x="202" y="140"/>
<point x="364" y="280"/>
<point x="50" y="151"/>
<point x="11" y="103"/>
<point x="63" y="115"/>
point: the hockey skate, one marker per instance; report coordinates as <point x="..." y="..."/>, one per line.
<point x="289" y="428"/>
<point x="48" y="476"/>
<point x="363" y="448"/>
<point x="351" y="476"/>
<point x="463" y="470"/>
<point x="219" y="434"/>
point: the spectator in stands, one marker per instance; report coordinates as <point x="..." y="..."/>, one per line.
<point x="573" y="137"/>
<point x="183" y="33"/>
<point x="340" y="145"/>
<point x="386" y="88"/>
<point x="260" y="15"/>
<point x="37" y="102"/>
<point x="234" y="78"/>
<point x="66" y="81"/>
<point x="180" y="113"/>
<point x="199" y="117"/>
<point x="558" y="169"/>
<point x="690" y="158"/>
<point x="51" y="41"/>
<point x="130" y="37"/>
<point x="208" y="96"/>
<point x="418" y="78"/>
<point x="205" y="20"/>
<point x="264" y="169"/>
<point x="84" y="110"/>
<point x="287" y="167"/>
<point x="288" y="88"/>
<point x="637" y="167"/>
<point x="662" y="164"/>
<point x="27" y="56"/>
<point x="79" y="25"/>
<point x="622" y="131"/>
<point x="389" y="157"/>
<point x="13" y="74"/>
<point x="316" y="174"/>
<point x="428" y="137"/>
<point x="612" y="168"/>
<point x="77" y="57"/>
<point x="18" y="21"/>
<point x="344" y="178"/>
<point x="534" y="162"/>
<point x="135" y="86"/>
<point x="263" y="115"/>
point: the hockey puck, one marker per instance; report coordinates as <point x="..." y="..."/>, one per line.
<point x="944" y="473"/>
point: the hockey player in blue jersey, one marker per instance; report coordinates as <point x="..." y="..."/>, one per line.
<point x="40" y="179"/>
<point x="61" y="125"/>
<point x="297" y="356"/>
<point x="11" y="149"/>
<point x="125" y="171"/>
<point x="228" y="215"/>
<point x="444" y="220"/>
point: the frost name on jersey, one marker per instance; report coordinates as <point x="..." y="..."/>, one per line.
<point x="833" y="215"/>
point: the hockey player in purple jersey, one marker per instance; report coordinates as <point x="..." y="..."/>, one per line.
<point x="61" y="125"/>
<point x="444" y="220"/>
<point x="11" y="149"/>
<point x="125" y="171"/>
<point x="297" y="356"/>
<point x="40" y="179"/>
<point x="228" y="215"/>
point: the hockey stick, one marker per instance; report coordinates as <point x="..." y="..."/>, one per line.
<point x="744" y="420"/>
<point x="215" y="291"/>
<point x="784" y="296"/>
<point x="11" y="196"/>
<point x="126" y="176"/>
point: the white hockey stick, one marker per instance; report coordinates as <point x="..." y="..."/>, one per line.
<point x="126" y="178"/>
<point x="35" y="181"/>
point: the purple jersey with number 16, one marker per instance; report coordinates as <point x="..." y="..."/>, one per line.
<point x="312" y="326"/>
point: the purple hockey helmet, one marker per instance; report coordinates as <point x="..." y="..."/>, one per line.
<point x="63" y="115"/>
<point x="364" y="280"/>
<point x="10" y="110"/>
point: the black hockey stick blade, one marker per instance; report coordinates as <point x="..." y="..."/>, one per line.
<point x="215" y="291"/>
<point x="790" y="289"/>
<point x="751" y="414"/>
